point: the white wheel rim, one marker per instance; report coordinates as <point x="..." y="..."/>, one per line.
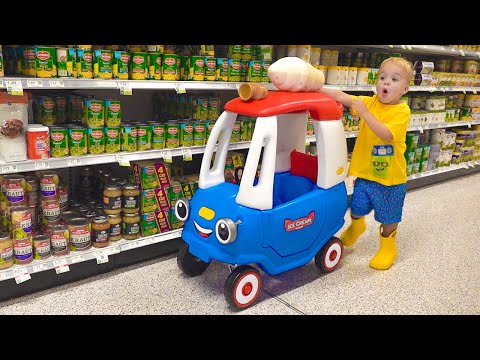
<point x="332" y="263"/>
<point x="246" y="281"/>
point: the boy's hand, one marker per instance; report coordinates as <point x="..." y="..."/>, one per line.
<point x="360" y="107"/>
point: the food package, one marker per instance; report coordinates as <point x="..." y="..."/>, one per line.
<point x="13" y="126"/>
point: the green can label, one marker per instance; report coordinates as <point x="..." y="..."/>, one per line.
<point x="244" y="70"/>
<point x="96" y="141"/>
<point x="247" y="51"/>
<point x="61" y="104"/>
<point x="102" y="64"/>
<point x="169" y="67"/>
<point x="113" y="110"/>
<point x="213" y="108"/>
<point x="236" y="132"/>
<point x="112" y="139"/>
<point x="77" y="141"/>
<point x="139" y="66"/>
<point x="254" y="71"/>
<point x="265" y="66"/>
<point x="184" y="67"/>
<point x="84" y="63"/>
<point x="28" y="61"/>
<point x="128" y="138"/>
<point x="209" y="126"/>
<point x="172" y="135"/>
<point x="144" y="137"/>
<point x="158" y="136"/>
<point x="186" y="133"/>
<point x="58" y="142"/>
<point x="199" y="133"/>
<point x="222" y="69"/>
<point x="121" y="60"/>
<point x="197" y="68"/>
<point x="94" y="113"/>
<point x="235" y="52"/>
<point x="234" y="70"/>
<point x="47" y="111"/>
<point x="210" y="69"/>
<point x="45" y="62"/>
<point x="74" y="109"/>
<point x="155" y="66"/>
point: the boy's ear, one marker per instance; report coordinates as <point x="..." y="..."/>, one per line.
<point x="405" y="90"/>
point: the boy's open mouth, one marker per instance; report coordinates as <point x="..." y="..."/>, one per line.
<point x="385" y="91"/>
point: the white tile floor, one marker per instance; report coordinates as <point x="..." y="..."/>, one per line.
<point x="437" y="272"/>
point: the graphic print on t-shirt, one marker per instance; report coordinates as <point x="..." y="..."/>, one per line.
<point x="382" y="156"/>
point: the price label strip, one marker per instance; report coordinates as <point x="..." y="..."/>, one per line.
<point x="34" y="83"/>
<point x="125" y="88"/>
<point x="39" y="165"/>
<point x="40" y="267"/>
<point x="122" y="160"/>
<point x="113" y="250"/>
<point x="73" y="162"/>
<point x="8" y="169"/>
<point x="180" y="88"/>
<point x="77" y="258"/>
<point x="167" y="156"/>
<point x="187" y="154"/>
<point x="102" y="257"/>
<point x="14" y="87"/>
<point x="61" y="266"/>
<point x="21" y="275"/>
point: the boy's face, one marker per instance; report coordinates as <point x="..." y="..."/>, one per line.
<point x="391" y="84"/>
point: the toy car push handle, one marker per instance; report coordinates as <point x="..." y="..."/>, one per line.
<point x="296" y="75"/>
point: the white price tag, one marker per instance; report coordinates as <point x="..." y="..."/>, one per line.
<point x="112" y="250"/>
<point x="34" y="83"/>
<point x="465" y="165"/>
<point x="403" y="47"/>
<point x="3" y="276"/>
<point x="177" y="234"/>
<point x="1" y="83"/>
<point x="39" y="165"/>
<point x="187" y="154"/>
<point x="409" y="47"/>
<point x="180" y="88"/>
<point x="225" y="85"/>
<point x="474" y="91"/>
<point x="9" y="169"/>
<point x="14" y="87"/>
<point x="237" y="86"/>
<point x="420" y="129"/>
<point x="122" y="160"/>
<point x="40" y="267"/>
<point x="77" y="258"/>
<point x="21" y="275"/>
<point x="102" y="257"/>
<point x="442" y="48"/>
<point x="61" y="266"/>
<point x="59" y="262"/>
<point x="464" y="91"/>
<point x="73" y="162"/>
<point x="125" y="87"/>
<point x="167" y="156"/>
<point x="469" y="124"/>
<point x="56" y="83"/>
<point x="462" y="52"/>
<point x="390" y="46"/>
<point x="433" y="89"/>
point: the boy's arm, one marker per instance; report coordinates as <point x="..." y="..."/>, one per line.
<point x="376" y="126"/>
<point x="338" y="95"/>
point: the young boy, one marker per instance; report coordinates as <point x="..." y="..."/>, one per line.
<point x="378" y="157"/>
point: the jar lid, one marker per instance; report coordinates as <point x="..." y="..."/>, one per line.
<point x="79" y="222"/>
<point x="37" y="128"/>
<point x="112" y="186"/>
<point x="130" y="186"/>
<point x="131" y="215"/>
<point x="113" y="216"/>
<point x="100" y="219"/>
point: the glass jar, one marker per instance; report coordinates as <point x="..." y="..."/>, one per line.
<point x="115" y="222"/>
<point x="112" y="199"/>
<point x="130" y="199"/>
<point x="100" y="231"/>
<point x="131" y="226"/>
<point x="80" y="238"/>
<point x="6" y="250"/>
<point x="41" y="247"/>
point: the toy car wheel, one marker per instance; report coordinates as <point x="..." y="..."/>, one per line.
<point x="242" y="286"/>
<point x="189" y="264"/>
<point x="329" y="256"/>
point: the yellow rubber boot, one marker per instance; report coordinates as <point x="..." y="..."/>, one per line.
<point x="387" y="253"/>
<point x="353" y="232"/>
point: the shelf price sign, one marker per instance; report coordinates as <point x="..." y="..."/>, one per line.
<point x="167" y="156"/>
<point x="125" y="87"/>
<point x="61" y="266"/>
<point x="34" y="83"/>
<point x="56" y="83"/>
<point x="180" y="88"/>
<point x="14" y="87"/>
<point x="21" y="275"/>
<point x="6" y="169"/>
<point x="101" y="256"/>
<point x="187" y="154"/>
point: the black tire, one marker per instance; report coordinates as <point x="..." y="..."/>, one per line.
<point x="329" y="256"/>
<point x="189" y="264"/>
<point x="242" y="287"/>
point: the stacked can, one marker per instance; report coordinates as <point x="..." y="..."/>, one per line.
<point x="50" y="198"/>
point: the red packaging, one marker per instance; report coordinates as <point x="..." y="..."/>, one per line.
<point x="38" y="142"/>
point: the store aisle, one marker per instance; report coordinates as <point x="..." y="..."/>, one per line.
<point x="437" y="272"/>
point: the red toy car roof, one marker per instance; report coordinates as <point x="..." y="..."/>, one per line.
<point x="320" y="106"/>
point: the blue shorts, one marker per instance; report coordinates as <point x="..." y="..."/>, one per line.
<point x="387" y="201"/>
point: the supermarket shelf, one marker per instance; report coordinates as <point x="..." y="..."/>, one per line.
<point x="101" y="254"/>
<point x="425" y="49"/>
<point x="444" y="169"/>
<point x="443" y="125"/>
<point x="181" y="86"/>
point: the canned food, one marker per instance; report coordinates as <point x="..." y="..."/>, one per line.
<point x="23" y="250"/>
<point x="77" y="140"/>
<point x="199" y="133"/>
<point x="41" y="247"/>
<point x="6" y="250"/>
<point x="121" y="60"/>
<point x="128" y="137"/>
<point x="80" y="238"/>
<point x="49" y="185"/>
<point x="210" y="68"/>
<point x="46" y="110"/>
<point x="94" y="113"/>
<point x="45" y="62"/>
<point x="169" y="67"/>
<point x="85" y="63"/>
<point x="172" y="135"/>
<point x="60" y="240"/>
<point x="155" y="66"/>
<point x="112" y="139"/>
<point x="14" y="189"/>
<point x="144" y="137"/>
<point x="139" y="66"/>
<point x="96" y="141"/>
<point x="222" y="69"/>
<point x="63" y="197"/>
<point x="58" y="141"/>
<point x="102" y="64"/>
<point x="66" y="62"/>
<point x="31" y="190"/>
<point x="158" y="136"/>
<point x="186" y="133"/>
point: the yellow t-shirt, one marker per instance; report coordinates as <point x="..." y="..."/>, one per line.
<point x="374" y="159"/>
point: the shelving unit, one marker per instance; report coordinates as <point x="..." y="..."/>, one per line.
<point x="424" y="49"/>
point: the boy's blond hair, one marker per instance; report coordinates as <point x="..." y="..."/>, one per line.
<point x="404" y="64"/>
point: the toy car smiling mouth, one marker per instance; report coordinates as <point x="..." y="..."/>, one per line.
<point x="283" y="219"/>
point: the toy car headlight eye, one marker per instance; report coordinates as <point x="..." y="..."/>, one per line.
<point x="226" y="231"/>
<point x="182" y="209"/>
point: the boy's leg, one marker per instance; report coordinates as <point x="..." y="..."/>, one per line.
<point x="388" y="205"/>
<point x="360" y="206"/>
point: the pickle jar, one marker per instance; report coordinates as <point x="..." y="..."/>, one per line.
<point x="131" y="226"/>
<point x="6" y="250"/>
<point x="115" y="232"/>
<point x="130" y="199"/>
<point x="100" y="231"/>
<point x="112" y="199"/>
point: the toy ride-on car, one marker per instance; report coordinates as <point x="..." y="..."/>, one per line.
<point x="287" y="216"/>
